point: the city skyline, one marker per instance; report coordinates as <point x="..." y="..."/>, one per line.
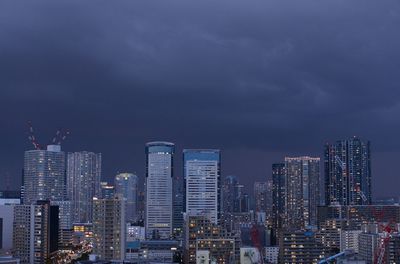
<point x="216" y="75"/>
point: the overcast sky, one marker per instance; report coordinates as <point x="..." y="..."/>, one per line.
<point x="258" y="79"/>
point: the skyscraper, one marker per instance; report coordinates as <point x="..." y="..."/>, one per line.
<point x="83" y="183"/>
<point x="263" y="198"/>
<point x="260" y="196"/>
<point x="302" y="191"/>
<point x="178" y="207"/>
<point x="202" y="182"/>
<point x="44" y="175"/>
<point x="159" y="173"/>
<point x="229" y="193"/>
<point x="278" y="194"/>
<point x="126" y="187"/>
<point x="109" y="228"/>
<point x="348" y="172"/>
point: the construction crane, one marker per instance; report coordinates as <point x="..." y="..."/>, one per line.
<point x="387" y="231"/>
<point x="383" y="243"/>
<point x="59" y="137"/>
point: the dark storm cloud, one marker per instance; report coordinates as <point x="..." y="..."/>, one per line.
<point x="259" y="79"/>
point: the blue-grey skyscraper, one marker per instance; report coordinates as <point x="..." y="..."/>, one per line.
<point x="83" y="183"/>
<point x="348" y="172"/>
<point x="126" y="187"/>
<point x="278" y="194"/>
<point x="302" y="191"/>
<point x="229" y="194"/>
<point x="159" y="174"/>
<point x="202" y="182"/>
<point x="44" y="175"/>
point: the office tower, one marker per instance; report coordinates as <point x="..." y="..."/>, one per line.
<point x="35" y="232"/>
<point x="126" y="187"/>
<point x="348" y="172"/>
<point x="109" y="228"/>
<point x="302" y="191"/>
<point x="202" y="182"/>
<point x="159" y="174"/>
<point x="278" y="194"/>
<point x="44" y="175"/>
<point x="229" y="193"/>
<point x="83" y="183"/>
<point x="107" y="191"/>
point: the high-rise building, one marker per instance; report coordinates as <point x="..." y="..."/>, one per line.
<point x="65" y="223"/>
<point x="178" y="206"/>
<point x="348" y="172"/>
<point x="202" y="182"/>
<point x="44" y="175"/>
<point x="229" y="193"/>
<point x="263" y="198"/>
<point x="159" y="174"/>
<point x="83" y="183"/>
<point x="126" y="187"/>
<point x="260" y="196"/>
<point x="302" y="191"/>
<point x="278" y="195"/>
<point x="109" y="228"/>
<point x="35" y="232"/>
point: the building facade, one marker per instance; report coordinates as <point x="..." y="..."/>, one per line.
<point x="159" y="198"/>
<point x="83" y="183"/>
<point x="202" y="183"/>
<point x="278" y="195"/>
<point x="348" y="172"/>
<point x="44" y="175"/>
<point x="109" y="228"/>
<point x="229" y="194"/>
<point x="126" y="187"/>
<point x="35" y="232"/>
<point x="302" y="191"/>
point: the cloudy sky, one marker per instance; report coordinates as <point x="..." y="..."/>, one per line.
<point x="258" y="79"/>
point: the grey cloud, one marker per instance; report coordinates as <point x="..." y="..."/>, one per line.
<point x="272" y="77"/>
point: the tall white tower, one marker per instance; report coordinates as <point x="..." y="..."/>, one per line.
<point x="202" y="183"/>
<point x="159" y="173"/>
